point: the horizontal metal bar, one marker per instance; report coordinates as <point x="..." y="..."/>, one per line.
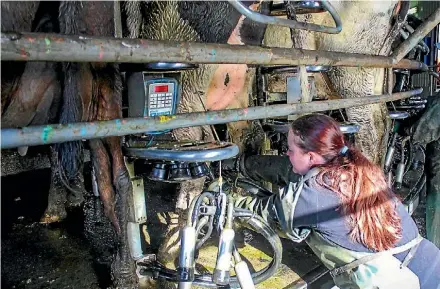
<point x="430" y="23"/>
<point x="260" y="18"/>
<point x="48" y="134"/>
<point x="73" y="48"/>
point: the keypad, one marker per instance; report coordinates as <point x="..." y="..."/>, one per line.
<point x="161" y="100"/>
<point x="160" y="103"/>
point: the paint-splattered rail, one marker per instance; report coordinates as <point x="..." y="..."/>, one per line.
<point x="72" y="48"/>
<point x="38" y="135"/>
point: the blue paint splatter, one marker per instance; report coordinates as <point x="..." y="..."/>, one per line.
<point x="83" y="131"/>
<point x="213" y="54"/>
<point x="45" y="134"/>
<point x="118" y="124"/>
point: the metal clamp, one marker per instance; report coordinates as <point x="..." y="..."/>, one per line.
<point x="185" y="151"/>
<point x="264" y="19"/>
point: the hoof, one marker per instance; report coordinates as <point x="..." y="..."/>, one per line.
<point x="75" y="195"/>
<point x="74" y="200"/>
<point x="52" y="218"/>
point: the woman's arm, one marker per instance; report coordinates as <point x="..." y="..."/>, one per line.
<point x="274" y="169"/>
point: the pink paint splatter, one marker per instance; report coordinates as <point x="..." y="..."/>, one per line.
<point x="23" y="53"/>
<point x="101" y="52"/>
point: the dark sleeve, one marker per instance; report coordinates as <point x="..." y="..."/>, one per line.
<point x="274" y="169"/>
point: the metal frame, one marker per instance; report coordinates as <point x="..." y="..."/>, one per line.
<point x="71" y="48"/>
<point x="74" y="48"/>
<point x="47" y="134"/>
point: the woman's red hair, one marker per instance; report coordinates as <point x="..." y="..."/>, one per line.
<point x="365" y="195"/>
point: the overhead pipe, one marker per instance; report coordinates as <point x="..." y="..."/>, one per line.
<point x="48" y="134"/>
<point x="405" y="47"/>
<point x="74" y="48"/>
<point x="260" y="18"/>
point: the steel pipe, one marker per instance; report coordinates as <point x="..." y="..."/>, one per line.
<point x="73" y="48"/>
<point x="48" y="134"/>
<point x="260" y="18"/>
<point x="430" y="23"/>
<point x="398" y="114"/>
<point x="221" y="151"/>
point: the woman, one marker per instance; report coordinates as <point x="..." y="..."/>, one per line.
<point x="336" y="200"/>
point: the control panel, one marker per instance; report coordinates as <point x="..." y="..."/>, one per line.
<point x="161" y="97"/>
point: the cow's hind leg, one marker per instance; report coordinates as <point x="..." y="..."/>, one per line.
<point x="101" y="164"/>
<point x="110" y="107"/>
<point x="55" y="210"/>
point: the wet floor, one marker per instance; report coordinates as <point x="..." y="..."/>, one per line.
<point x="36" y="256"/>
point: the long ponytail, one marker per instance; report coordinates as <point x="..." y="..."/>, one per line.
<point x="366" y="198"/>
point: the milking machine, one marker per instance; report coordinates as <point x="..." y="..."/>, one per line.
<point x="404" y="161"/>
<point x="404" y="165"/>
<point x="153" y="89"/>
<point x="214" y="212"/>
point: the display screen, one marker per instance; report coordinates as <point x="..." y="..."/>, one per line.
<point x="161" y="88"/>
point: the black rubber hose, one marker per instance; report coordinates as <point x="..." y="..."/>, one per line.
<point x="195" y="212"/>
<point x="208" y="233"/>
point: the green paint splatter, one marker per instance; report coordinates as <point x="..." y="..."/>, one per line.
<point x="46" y="132"/>
<point x="47" y="40"/>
